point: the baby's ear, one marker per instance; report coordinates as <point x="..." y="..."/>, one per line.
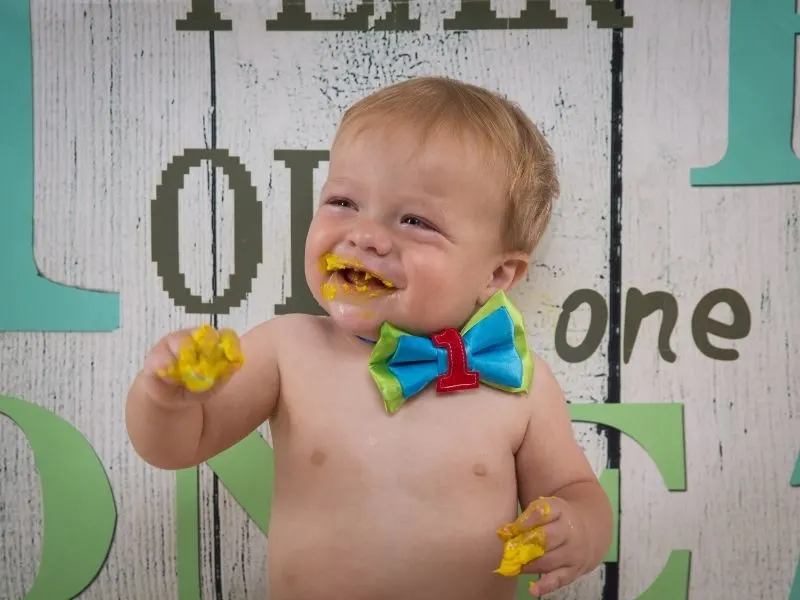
<point x="511" y="268"/>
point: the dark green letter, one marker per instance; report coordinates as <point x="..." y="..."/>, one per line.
<point x="597" y="325"/>
<point x="703" y="325"/>
<point x="203" y="17"/>
<point x="247" y="244"/>
<point x="638" y="306"/>
<point x="301" y="164"/>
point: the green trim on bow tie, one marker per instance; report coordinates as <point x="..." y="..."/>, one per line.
<point x="384" y="350"/>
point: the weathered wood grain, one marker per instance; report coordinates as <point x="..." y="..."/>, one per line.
<point x="118" y="93"/>
<point x="739" y="517"/>
<point x="287" y="91"/>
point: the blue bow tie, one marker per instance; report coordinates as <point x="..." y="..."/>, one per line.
<point x="491" y="348"/>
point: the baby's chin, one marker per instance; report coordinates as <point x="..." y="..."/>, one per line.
<point x="366" y="322"/>
<point x="361" y="321"/>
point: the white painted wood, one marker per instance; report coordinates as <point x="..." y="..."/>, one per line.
<point x="118" y="93"/>
<point x="287" y="90"/>
<point x="739" y="517"/>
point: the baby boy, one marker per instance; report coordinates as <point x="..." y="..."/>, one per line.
<point x="411" y="423"/>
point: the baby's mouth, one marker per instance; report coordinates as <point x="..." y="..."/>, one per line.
<point x="353" y="277"/>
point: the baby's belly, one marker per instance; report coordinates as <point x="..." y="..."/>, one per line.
<point x="390" y="543"/>
<point x="368" y="556"/>
<point x="404" y="507"/>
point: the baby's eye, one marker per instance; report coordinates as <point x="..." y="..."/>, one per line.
<point x="417" y="222"/>
<point x="338" y="201"/>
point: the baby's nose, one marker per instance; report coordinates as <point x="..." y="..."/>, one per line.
<point x="370" y="237"/>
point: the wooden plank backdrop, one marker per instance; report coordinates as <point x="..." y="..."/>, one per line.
<point x="120" y="92"/>
<point x="738" y="516"/>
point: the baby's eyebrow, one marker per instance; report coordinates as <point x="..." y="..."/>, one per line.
<point x="337" y="182"/>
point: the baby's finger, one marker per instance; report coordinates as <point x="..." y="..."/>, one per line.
<point x="537" y="513"/>
<point x="173" y="342"/>
<point x="164" y="354"/>
<point x="555" y="535"/>
<point x="551" y="561"/>
<point x="549" y="582"/>
<point x="540" y="512"/>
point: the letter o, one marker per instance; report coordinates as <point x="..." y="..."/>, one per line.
<point x="247" y="231"/>
<point x="597" y="325"/>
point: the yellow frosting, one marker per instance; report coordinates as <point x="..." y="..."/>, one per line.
<point x="205" y="357"/>
<point x="522" y="544"/>
<point x="330" y="263"/>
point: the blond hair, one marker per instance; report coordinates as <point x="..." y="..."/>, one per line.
<point x="436" y="103"/>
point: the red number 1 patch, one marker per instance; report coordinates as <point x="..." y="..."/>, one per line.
<point x="458" y="377"/>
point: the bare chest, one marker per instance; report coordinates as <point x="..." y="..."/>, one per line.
<point x="335" y="419"/>
<point x="369" y="497"/>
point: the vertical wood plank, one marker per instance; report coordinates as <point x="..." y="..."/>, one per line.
<point x="118" y="93"/>
<point x="280" y="90"/>
<point x="739" y="517"/>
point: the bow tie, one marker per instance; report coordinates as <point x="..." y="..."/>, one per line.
<point x="491" y="348"/>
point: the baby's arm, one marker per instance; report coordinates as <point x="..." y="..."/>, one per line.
<point x="551" y="463"/>
<point x="172" y="428"/>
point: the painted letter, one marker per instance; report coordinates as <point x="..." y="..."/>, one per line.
<point x="301" y="164"/>
<point x="246" y="471"/>
<point x="639" y="306"/>
<point x="608" y="16"/>
<point x="703" y="325"/>
<point x="761" y="92"/>
<point x="479" y="14"/>
<point x="294" y="16"/>
<point x="31" y="302"/>
<point x="598" y="319"/>
<point x="78" y="508"/>
<point x="659" y="430"/>
<point x="397" y="19"/>
<point x="203" y="17"/>
<point x="247" y="244"/>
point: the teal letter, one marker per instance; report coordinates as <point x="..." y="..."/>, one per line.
<point x="760" y="97"/>
<point x="246" y="471"/>
<point x="77" y="503"/>
<point x="30" y="301"/>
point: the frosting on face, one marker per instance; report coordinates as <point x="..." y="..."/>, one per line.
<point x="350" y="277"/>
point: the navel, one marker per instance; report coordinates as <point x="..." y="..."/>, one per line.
<point x="480" y="469"/>
<point x="317" y="458"/>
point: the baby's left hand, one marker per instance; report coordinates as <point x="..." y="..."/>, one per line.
<point x="554" y="523"/>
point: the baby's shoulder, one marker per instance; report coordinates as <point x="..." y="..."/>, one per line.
<point x="293" y="328"/>
<point x="293" y="333"/>
<point x="544" y="391"/>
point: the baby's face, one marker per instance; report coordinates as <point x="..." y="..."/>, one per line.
<point x="405" y="232"/>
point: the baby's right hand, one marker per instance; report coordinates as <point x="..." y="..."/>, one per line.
<point x="160" y="359"/>
<point x="189" y="362"/>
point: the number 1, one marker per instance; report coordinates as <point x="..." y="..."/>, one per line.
<point x="458" y="377"/>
